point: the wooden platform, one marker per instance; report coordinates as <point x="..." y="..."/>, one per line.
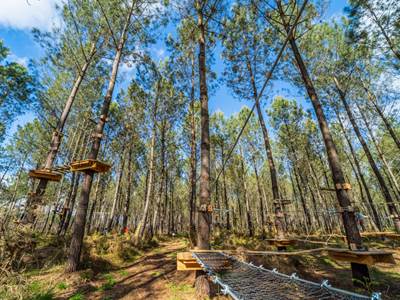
<point x="186" y="262"/>
<point x="45" y="174"/>
<point x="388" y="234"/>
<point x="370" y="257"/>
<point x="281" y="242"/>
<point x="89" y="165"/>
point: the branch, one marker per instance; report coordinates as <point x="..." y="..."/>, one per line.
<point x="108" y="24"/>
<point x="77" y="31"/>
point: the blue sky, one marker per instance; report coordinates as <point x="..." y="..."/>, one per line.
<point x="18" y="17"/>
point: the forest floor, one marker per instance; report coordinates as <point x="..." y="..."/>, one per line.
<point x="151" y="276"/>
<point x="114" y="271"/>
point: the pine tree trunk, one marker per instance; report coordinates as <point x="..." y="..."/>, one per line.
<point x="388" y="126"/>
<point x="260" y="198"/>
<point x="36" y="199"/>
<point x="80" y="219"/>
<point x="14" y="195"/>
<point x="352" y="233"/>
<point x="388" y="170"/>
<point x="128" y="191"/>
<point x="97" y="192"/>
<point x="142" y="223"/>
<point x="384" y="189"/>
<point x="71" y="206"/>
<point x="193" y="157"/>
<point x="267" y="145"/>
<point x="390" y="43"/>
<point x="57" y="203"/>
<point x="245" y="196"/>
<point x="203" y="217"/>
<point x="157" y="206"/>
<point x="360" y="173"/>
<point x="117" y="192"/>
<point x="226" y="202"/>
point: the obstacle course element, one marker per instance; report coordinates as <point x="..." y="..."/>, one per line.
<point x="361" y="257"/>
<point x="281" y="242"/>
<point x="246" y="281"/>
<point x="56" y="173"/>
<point x="45" y="174"/>
<point x="186" y="262"/>
<point x="89" y="165"/>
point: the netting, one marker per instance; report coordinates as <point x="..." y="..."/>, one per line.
<point x="244" y="281"/>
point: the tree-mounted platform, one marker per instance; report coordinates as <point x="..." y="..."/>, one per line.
<point x="89" y="165"/>
<point x="281" y="242"/>
<point x="282" y="202"/>
<point x="390" y="235"/>
<point x="370" y="257"/>
<point x="45" y="174"/>
<point x="186" y="262"/>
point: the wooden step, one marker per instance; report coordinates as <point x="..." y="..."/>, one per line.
<point x="89" y="165"/>
<point x="186" y="262"/>
<point x="45" y="174"/>
<point x="369" y="257"/>
<point x="281" y="242"/>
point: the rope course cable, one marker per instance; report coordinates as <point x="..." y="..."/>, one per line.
<point x="267" y="79"/>
<point x="245" y="281"/>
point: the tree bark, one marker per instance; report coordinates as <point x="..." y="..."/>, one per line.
<point x="225" y="192"/>
<point x="203" y="217"/>
<point x="245" y="196"/>
<point x="352" y="232"/>
<point x="79" y="225"/>
<point x="267" y="145"/>
<point x="384" y="189"/>
<point x="97" y="193"/>
<point x="142" y="223"/>
<point x="193" y="157"/>
<point x="260" y="198"/>
<point x="388" y="172"/>
<point x="36" y="199"/>
<point x="157" y="206"/>
<point x="128" y="191"/>
<point x="362" y="178"/>
<point x="117" y="191"/>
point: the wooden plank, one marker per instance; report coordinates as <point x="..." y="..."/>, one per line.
<point x="186" y="262"/>
<point x="282" y="242"/>
<point x="45" y="174"/>
<point x="89" y="164"/>
<point x="362" y="257"/>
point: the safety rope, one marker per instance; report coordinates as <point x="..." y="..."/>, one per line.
<point x="267" y="79"/>
<point x="245" y="281"/>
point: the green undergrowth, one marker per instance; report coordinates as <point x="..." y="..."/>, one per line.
<point x="109" y="284"/>
<point x="180" y="291"/>
<point x="102" y="255"/>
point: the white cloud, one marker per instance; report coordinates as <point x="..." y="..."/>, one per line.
<point x="21" y="60"/>
<point x="26" y="14"/>
<point x="160" y="53"/>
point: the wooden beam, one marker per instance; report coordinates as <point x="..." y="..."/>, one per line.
<point x="45" y="174"/>
<point x="186" y="262"/>
<point x="90" y="164"/>
<point x="361" y="257"/>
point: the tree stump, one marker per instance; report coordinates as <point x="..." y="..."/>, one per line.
<point x="202" y="285"/>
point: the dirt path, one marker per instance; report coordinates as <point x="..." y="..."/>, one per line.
<point x="153" y="276"/>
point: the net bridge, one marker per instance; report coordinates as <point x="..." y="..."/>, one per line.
<point x="246" y="281"/>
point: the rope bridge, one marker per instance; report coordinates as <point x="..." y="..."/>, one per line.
<point x="245" y="281"/>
